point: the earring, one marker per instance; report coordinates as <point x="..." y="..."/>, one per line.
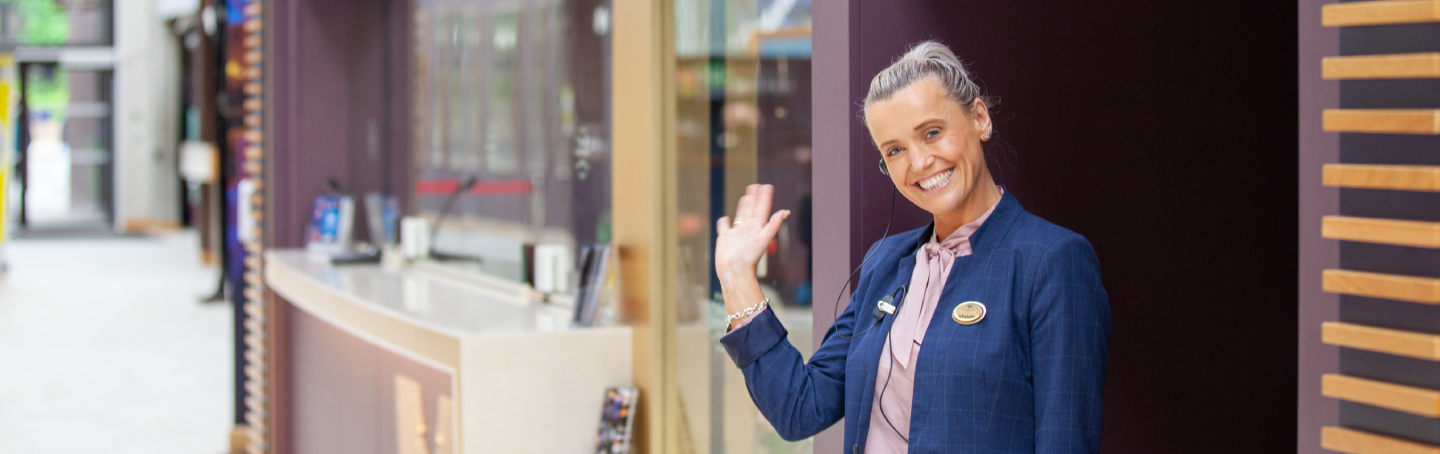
<point x="987" y="135"/>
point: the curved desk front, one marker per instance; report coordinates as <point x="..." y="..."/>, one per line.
<point x="374" y="361"/>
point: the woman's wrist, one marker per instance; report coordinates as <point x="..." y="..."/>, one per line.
<point x="736" y="278"/>
<point x="741" y="289"/>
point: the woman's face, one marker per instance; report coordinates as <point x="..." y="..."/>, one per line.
<point x="931" y="145"/>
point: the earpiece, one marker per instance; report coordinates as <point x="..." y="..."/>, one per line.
<point x="883" y="168"/>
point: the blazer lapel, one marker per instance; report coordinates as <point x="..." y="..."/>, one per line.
<point x="994" y="229"/>
<point x="871" y="347"/>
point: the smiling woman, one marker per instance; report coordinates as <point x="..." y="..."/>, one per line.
<point x="928" y="120"/>
<point x="1027" y="377"/>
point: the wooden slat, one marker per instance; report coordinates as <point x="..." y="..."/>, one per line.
<point x="1349" y="441"/>
<point x="1382" y="231"/>
<point x="1394" y="66"/>
<point x="1380" y="13"/>
<point x="1401" y="178"/>
<point x="1390" y="286"/>
<point x="1409" y="399"/>
<point x="1392" y="341"/>
<point x="1383" y="121"/>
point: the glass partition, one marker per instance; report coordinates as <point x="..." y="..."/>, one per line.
<point x="510" y="119"/>
<point x="742" y="116"/>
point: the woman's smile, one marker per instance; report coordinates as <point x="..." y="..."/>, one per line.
<point x="936" y="182"/>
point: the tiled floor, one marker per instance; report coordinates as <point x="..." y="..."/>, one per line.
<point x="105" y="349"/>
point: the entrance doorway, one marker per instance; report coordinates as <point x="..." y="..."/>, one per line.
<point x="66" y="158"/>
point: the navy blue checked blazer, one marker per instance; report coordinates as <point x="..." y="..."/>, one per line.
<point x="1025" y="379"/>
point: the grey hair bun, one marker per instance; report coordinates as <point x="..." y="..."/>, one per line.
<point x="927" y="59"/>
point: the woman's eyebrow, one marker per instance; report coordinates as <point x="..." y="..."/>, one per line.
<point x="929" y="122"/>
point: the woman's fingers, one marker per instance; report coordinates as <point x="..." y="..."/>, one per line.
<point x="743" y="207"/>
<point x="722" y="225"/>
<point x="764" y="195"/>
<point x="773" y="227"/>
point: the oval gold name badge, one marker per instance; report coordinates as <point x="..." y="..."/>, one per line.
<point x="968" y="313"/>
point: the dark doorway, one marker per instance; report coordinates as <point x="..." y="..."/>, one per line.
<point x="1166" y="134"/>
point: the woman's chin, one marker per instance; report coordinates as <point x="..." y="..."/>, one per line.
<point x="942" y="202"/>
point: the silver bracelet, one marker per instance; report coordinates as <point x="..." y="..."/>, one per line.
<point x="750" y="310"/>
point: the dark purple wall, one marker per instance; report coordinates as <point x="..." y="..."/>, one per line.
<point x="1166" y="134"/>
<point x="332" y="67"/>
<point x="337" y="66"/>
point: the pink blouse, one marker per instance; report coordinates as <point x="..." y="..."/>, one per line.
<point x="932" y="266"/>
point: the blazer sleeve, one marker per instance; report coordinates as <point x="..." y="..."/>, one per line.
<point x="799" y="399"/>
<point x="1069" y="336"/>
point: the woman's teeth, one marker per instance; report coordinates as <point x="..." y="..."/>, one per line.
<point x="937" y="180"/>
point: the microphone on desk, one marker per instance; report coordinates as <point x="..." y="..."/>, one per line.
<point x="465" y="185"/>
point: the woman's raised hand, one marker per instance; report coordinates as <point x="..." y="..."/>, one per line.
<point x="741" y="242"/>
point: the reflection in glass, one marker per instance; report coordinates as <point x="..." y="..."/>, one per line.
<point x="514" y="95"/>
<point x="742" y="117"/>
<point x="500" y="153"/>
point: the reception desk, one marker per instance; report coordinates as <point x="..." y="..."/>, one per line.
<point x="421" y="359"/>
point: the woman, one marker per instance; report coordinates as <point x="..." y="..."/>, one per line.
<point x="984" y="332"/>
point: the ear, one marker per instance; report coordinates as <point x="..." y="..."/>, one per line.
<point x="980" y="115"/>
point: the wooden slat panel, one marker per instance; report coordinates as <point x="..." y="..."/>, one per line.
<point x="1380" y="13"/>
<point x="1404" y="288"/>
<point x="1383" y="121"/>
<point x="1395" y="66"/>
<point x="1383" y="231"/>
<point x="1383" y="340"/>
<point x="1409" y="399"/>
<point x="1402" y="178"/>
<point x="1349" y="441"/>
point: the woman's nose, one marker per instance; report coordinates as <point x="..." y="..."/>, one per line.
<point x="920" y="158"/>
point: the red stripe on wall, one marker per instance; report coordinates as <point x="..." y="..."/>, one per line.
<point x="480" y="188"/>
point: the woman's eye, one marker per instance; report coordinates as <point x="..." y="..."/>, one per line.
<point x="894" y="151"/>
<point x="932" y="133"/>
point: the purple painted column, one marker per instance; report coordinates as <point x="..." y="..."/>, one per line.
<point x="1316" y="254"/>
<point x="832" y="122"/>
